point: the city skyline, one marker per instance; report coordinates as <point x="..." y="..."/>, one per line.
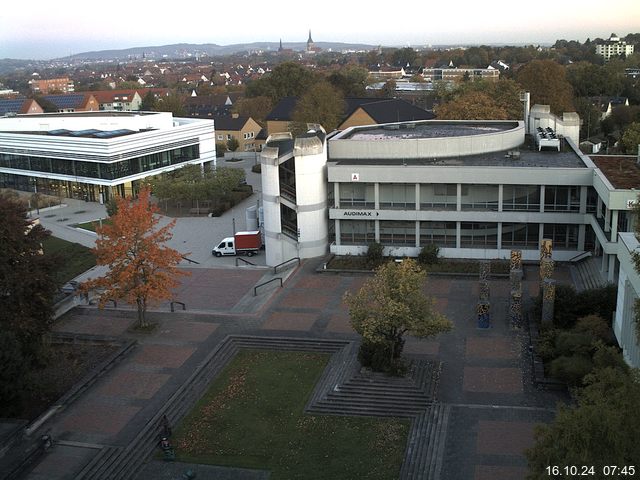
<point x="47" y="31"/>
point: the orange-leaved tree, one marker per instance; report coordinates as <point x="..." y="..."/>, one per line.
<point x="142" y="270"/>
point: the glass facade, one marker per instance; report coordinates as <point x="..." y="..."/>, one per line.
<point x="521" y="198"/>
<point x="357" y="195"/>
<point x="442" y="234"/>
<point x="400" y="196"/>
<point x="480" y="197"/>
<point x="478" y="235"/>
<point x="561" y="198"/>
<point x="441" y="196"/>
<point x="357" y="232"/>
<point x="564" y="237"/>
<point x="398" y="233"/>
<point x="520" y="235"/>
<point x="101" y="170"/>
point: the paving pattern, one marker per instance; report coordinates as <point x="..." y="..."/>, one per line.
<point x="480" y="419"/>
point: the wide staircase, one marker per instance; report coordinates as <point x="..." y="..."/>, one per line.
<point x="586" y="274"/>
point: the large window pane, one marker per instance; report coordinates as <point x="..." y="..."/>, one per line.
<point x="563" y="236"/>
<point x="398" y="233"/>
<point x="438" y="196"/>
<point x="520" y="235"/>
<point x="480" y="197"/>
<point x="561" y="199"/>
<point x="357" y="232"/>
<point x="442" y="234"/>
<point x="357" y="195"/>
<point x="521" y="198"/>
<point x="398" y="196"/>
<point x="479" y="235"/>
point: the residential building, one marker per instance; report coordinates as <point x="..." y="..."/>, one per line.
<point x="95" y="155"/>
<point x="244" y="129"/>
<point x="75" y="102"/>
<point x="52" y="85"/>
<point x="19" y="106"/>
<point x="358" y="111"/>
<point x="455" y="74"/>
<point x="118" y="100"/>
<point x="614" y="47"/>
<point x="607" y="104"/>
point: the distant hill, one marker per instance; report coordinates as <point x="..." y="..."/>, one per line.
<point x="181" y="50"/>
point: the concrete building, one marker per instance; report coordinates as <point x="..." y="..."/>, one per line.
<point x="624" y="324"/>
<point x="118" y="100"/>
<point x="455" y="74"/>
<point x="94" y="155"/>
<point x="243" y="129"/>
<point x="47" y="86"/>
<point x="614" y="47"/>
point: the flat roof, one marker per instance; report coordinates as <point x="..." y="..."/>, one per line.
<point x="526" y="157"/>
<point x="99" y="113"/>
<point x="428" y="129"/>
<point x="623" y="172"/>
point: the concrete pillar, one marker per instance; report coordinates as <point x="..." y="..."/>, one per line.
<point x="458" y="239"/>
<point x="377" y="230"/>
<point x="500" y="201"/>
<point x="499" y="235"/>
<point x="417" y="196"/>
<point x="582" y="233"/>
<point x="614" y="225"/>
<point x="599" y="208"/>
<point x="376" y="195"/>
<point x="612" y="269"/>
<point x="542" y="189"/>
<point x="548" y="300"/>
<point x="603" y="265"/>
<point x="607" y="220"/>
<point x="337" y="231"/>
<point x="459" y="197"/>
<point x="583" y="200"/>
<point x="336" y="195"/>
<point x="417" y="233"/>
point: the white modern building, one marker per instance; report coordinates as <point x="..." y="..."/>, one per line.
<point x="94" y="155"/>
<point x="624" y="325"/>
<point x="613" y="47"/>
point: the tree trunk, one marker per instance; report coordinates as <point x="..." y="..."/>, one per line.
<point x="142" y="322"/>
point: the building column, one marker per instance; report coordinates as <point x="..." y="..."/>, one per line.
<point x="377" y="229"/>
<point x="500" y="199"/>
<point x="583" y="200"/>
<point x="599" y="208"/>
<point x="541" y="201"/>
<point x="499" y="234"/>
<point x="417" y="233"/>
<point x="612" y="268"/>
<point x="458" y="239"/>
<point x="607" y="220"/>
<point x="336" y="195"/>
<point x="582" y="233"/>
<point x="376" y="197"/>
<point x="603" y="264"/>
<point x="337" y="231"/>
<point x="540" y="233"/>
<point x="459" y="197"/>
<point x="417" y="196"/>
<point x="614" y="225"/>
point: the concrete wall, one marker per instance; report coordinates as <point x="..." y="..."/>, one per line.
<point x="567" y="126"/>
<point x="628" y="291"/>
<point x="436" y="147"/>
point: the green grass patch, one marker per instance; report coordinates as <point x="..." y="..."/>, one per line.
<point x="92" y="225"/>
<point x="74" y="258"/>
<point x="252" y="417"/>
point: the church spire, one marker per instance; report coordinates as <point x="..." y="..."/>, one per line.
<point x="310" y="39"/>
<point x="280" y="47"/>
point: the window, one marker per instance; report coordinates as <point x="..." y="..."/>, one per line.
<point x="229" y="136"/>
<point x="480" y="197"/>
<point x="401" y="196"/>
<point x="442" y="234"/>
<point x="398" y="233"/>
<point x="438" y="196"/>
<point x="357" y="232"/>
<point x="357" y="195"/>
<point x="479" y="235"/>
<point x="220" y="137"/>
<point x="563" y="236"/>
<point x="561" y="198"/>
<point x="520" y="235"/>
<point x="521" y="198"/>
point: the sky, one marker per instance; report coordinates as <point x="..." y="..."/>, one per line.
<point x="45" y="29"/>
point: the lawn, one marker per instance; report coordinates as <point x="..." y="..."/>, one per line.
<point x="252" y="417"/>
<point x="91" y="225"/>
<point x="74" y="258"/>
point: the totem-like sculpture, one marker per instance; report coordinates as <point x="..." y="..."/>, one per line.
<point x="548" y="300"/>
<point x="484" y="306"/>
<point x="546" y="263"/>
<point x="515" y="278"/>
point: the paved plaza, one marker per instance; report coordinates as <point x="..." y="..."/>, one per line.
<point x="485" y="377"/>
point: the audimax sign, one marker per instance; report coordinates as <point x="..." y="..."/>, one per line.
<point x="359" y="213"/>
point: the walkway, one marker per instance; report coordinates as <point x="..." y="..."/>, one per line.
<point x="485" y="382"/>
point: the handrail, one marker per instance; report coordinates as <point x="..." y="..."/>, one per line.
<point x="189" y="260"/>
<point x="275" y="269"/>
<point x="255" y="289"/>
<point x="245" y="261"/>
<point x="578" y="257"/>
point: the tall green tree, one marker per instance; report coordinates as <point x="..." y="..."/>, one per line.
<point x="351" y="80"/>
<point x="27" y="287"/>
<point x="390" y="305"/>
<point x="289" y="79"/>
<point x="323" y="104"/>
<point x="631" y="138"/>
<point x="255" y="107"/>
<point x="547" y="82"/>
<point x="602" y="429"/>
<point x="481" y="100"/>
<point x="174" y="103"/>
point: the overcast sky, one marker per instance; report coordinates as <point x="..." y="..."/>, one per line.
<point x="44" y="29"/>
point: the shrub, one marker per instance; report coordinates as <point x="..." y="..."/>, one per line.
<point x="601" y="301"/>
<point x="609" y="356"/>
<point x="573" y="343"/>
<point x="374" y="255"/>
<point x="428" y="255"/>
<point x="571" y="369"/>
<point x="595" y="326"/>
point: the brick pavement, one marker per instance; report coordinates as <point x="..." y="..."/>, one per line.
<point x="484" y="377"/>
